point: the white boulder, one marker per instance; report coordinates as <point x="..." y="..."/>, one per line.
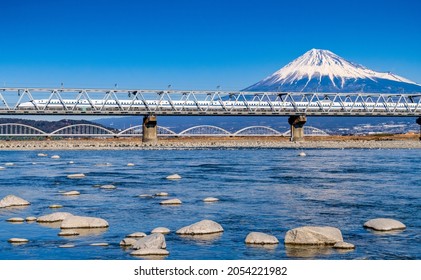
<point x="18" y="240"/>
<point x="16" y="220"/>
<point x="67" y="246"/>
<point x="101" y="244"/>
<point x="55" y="206"/>
<point x="30" y="219"/>
<point x="210" y="199"/>
<point x="130" y="164"/>
<point x="344" y="246"/>
<point x="126" y="242"/>
<point x="68" y="232"/>
<point x="83" y="222"/>
<point x="162" y="194"/>
<point x="173" y="177"/>
<point x="302" y="154"/>
<point x="108" y="187"/>
<point x="174" y="201"/>
<point x="261" y="238"/>
<point x="313" y="235"/>
<point x="137" y="234"/>
<point x="12" y="200"/>
<point x="76" y="176"/>
<point x="70" y="193"/>
<point x="42" y="155"/>
<point x="384" y="224"/>
<point x="54" y="217"/>
<point x="162" y="230"/>
<point x="153" y="241"/>
<point x="150" y="252"/>
<point x="55" y="157"/>
<point x="202" y="227"/>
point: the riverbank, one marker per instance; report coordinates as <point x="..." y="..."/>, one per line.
<point x="404" y="141"/>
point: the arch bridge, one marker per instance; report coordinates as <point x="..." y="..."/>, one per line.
<point x="90" y="130"/>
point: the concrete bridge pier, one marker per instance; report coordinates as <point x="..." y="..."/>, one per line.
<point x="150" y="129"/>
<point x="297" y="127"/>
<point x="419" y="122"/>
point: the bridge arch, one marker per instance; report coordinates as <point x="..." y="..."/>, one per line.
<point x="309" y="131"/>
<point x="18" y="129"/>
<point x="82" y="130"/>
<point x="204" y="130"/>
<point x="138" y="131"/>
<point x="134" y="130"/>
<point x="257" y="131"/>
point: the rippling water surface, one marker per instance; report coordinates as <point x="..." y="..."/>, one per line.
<point x="268" y="190"/>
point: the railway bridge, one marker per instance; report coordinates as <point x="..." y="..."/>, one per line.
<point x="154" y="103"/>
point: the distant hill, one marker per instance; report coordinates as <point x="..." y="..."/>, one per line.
<point x="48" y="126"/>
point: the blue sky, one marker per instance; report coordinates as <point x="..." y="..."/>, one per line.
<point x="197" y="44"/>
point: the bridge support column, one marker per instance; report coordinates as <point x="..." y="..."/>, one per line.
<point x="419" y="122"/>
<point x="150" y="134"/>
<point x="297" y="127"/>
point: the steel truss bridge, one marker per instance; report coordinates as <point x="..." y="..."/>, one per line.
<point x="67" y="101"/>
<point x="89" y="130"/>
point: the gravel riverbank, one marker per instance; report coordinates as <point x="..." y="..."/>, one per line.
<point x="215" y="142"/>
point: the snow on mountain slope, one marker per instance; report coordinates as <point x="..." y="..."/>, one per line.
<point x="324" y="71"/>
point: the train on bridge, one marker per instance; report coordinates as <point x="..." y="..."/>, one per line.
<point x="324" y="105"/>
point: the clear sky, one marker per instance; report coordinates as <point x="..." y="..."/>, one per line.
<point x="197" y="44"/>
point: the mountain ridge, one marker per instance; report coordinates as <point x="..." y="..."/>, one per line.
<point x="323" y="71"/>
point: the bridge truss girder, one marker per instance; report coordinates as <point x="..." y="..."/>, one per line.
<point x="176" y="102"/>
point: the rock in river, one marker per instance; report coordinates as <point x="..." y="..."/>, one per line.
<point x="76" y="176"/>
<point x="313" y="235"/>
<point x="126" y="242"/>
<point x="12" y="200"/>
<point x="30" y="219"/>
<point x="173" y="177"/>
<point x="210" y="199"/>
<point x="202" y="227"/>
<point x="137" y="234"/>
<point x="16" y="220"/>
<point x="108" y="187"/>
<point x="153" y="241"/>
<point x="384" y="224"/>
<point x="162" y="230"/>
<point x="150" y="252"/>
<point x="70" y="193"/>
<point x="344" y="246"/>
<point x="83" y="222"/>
<point x="18" y="240"/>
<point x="261" y="238"/>
<point x="68" y="232"/>
<point x="54" y="217"/>
<point x="174" y="201"/>
<point x="162" y="194"/>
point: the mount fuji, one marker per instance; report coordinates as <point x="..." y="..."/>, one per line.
<point x="323" y="71"/>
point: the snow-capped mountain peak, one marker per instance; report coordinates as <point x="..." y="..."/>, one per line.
<point x="322" y="70"/>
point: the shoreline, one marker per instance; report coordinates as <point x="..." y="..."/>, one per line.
<point x="332" y="142"/>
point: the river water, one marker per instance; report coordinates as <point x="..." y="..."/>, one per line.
<point x="267" y="190"/>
